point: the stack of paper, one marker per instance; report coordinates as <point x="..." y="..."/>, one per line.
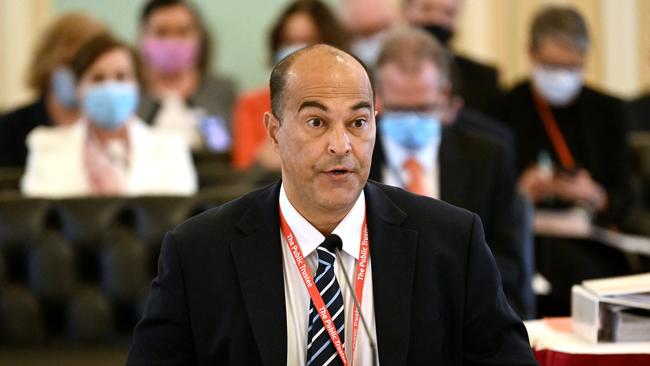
<point x="613" y="309"/>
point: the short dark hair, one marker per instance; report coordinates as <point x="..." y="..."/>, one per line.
<point x="560" y="22"/>
<point x="277" y="81"/>
<point x="98" y="46"/>
<point x="332" y="32"/>
<point x="205" y="42"/>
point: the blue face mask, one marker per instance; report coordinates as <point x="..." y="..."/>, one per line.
<point x="110" y="104"/>
<point x="410" y="129"/>
<point x="64" y="88"/>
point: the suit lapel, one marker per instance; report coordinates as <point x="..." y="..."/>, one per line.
<point x="453" y="171"/>
<point x="258" y="259"/>
<point x="392" y="254"/>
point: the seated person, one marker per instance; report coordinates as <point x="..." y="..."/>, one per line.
<point x="261" y="280"/>
<point x="50" y="76"/>
<point x="302" y="23"/>
<point x="571" y="148"/>
<point x="479" y="83"/>
<point x="180" y="93"/>
<point x="108" y="151"/>
<point x="420" y="148"/>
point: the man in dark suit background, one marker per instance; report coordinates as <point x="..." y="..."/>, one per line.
<point x="478" y="83"/>
<point x="571" y="151"/>
<point x="229" y="288"/>
<point x="459" y="164"/>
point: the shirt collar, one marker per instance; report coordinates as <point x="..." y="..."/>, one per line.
<point x="396" y="154"/>
<point x="309" y="238"/>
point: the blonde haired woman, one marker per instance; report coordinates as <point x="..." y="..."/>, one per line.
<point x="50" y="77"/>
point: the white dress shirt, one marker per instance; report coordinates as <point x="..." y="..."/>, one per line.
<point x="395" y="175"/>
<point x="296" y="296"/>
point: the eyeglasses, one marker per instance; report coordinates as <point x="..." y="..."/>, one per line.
<point x="421" y="111"/>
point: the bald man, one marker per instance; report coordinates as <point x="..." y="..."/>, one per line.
<point x="261" y="280"/>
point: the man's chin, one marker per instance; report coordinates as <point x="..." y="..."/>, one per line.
<point x="339" y="199"/>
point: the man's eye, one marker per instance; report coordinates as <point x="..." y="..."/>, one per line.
<point x="359" y="123"/>
<point x="315" y="122"/>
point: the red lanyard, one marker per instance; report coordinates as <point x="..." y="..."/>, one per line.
<point x="317" y="299"/>
<point x="554" y="133"/>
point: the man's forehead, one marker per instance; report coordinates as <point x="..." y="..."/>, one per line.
<point x="424" y="72"/>
<point x="327" y="76"/>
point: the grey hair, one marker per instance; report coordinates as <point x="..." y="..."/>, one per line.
<point x="562" y="23"/>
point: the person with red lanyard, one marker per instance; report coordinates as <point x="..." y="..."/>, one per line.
<point x="326" y="267"/>
<point x="571" y="151"/>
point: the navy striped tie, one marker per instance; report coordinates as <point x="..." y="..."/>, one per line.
<point x="320" y="349"/>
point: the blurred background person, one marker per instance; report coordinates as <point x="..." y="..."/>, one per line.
<point x="368" y="21"/>
<point x="571" y="150"/>
<point x="302" y="23"/>
<point x="420" y="148"/>
<point x="478" y="83"/>
<point x="109" y="150"/>
<point x="50" y="76"/>
<point x="181" y="94"/>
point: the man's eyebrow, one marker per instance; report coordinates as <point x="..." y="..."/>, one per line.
<point x="362" y="105"/>
<point x="312" y="104"/>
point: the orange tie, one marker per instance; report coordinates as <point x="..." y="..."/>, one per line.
<point x="416" y="177"/>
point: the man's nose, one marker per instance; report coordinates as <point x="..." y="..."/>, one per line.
<point x="339" y="141"/>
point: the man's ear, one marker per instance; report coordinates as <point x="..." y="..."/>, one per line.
<point x="272" y="125"/>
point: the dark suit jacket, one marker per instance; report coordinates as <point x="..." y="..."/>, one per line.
<point x="478" y="83"/>
<point x="14" y="128"/>
<point x="219" y="295"/>
<point x="639" y="109"/>
<point x="477" y="174"/>
<point x="482" y="124"/>
<point x="599" y="144"/>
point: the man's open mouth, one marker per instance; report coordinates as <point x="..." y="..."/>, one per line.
<point x="338" y="171"/>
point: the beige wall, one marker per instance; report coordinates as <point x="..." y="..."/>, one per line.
<point x="21" y="22"/>
<point x="494" y="31"/>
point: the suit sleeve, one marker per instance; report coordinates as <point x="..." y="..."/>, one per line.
<point x="164" y="336"/>
<point x="492" y="333"/>
<point x="510" y="235"/>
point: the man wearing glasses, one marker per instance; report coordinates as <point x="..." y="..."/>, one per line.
<point x="421" y="148"/>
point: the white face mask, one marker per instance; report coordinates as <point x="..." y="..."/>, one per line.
<point x="285" y="51"/>
<point x="558" y="86"/>
<point x="368" y="48"/>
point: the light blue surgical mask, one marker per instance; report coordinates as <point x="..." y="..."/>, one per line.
<point x="411" y="130"/>
<point x="110" y="104"/>
<point x="64" y="88"/>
